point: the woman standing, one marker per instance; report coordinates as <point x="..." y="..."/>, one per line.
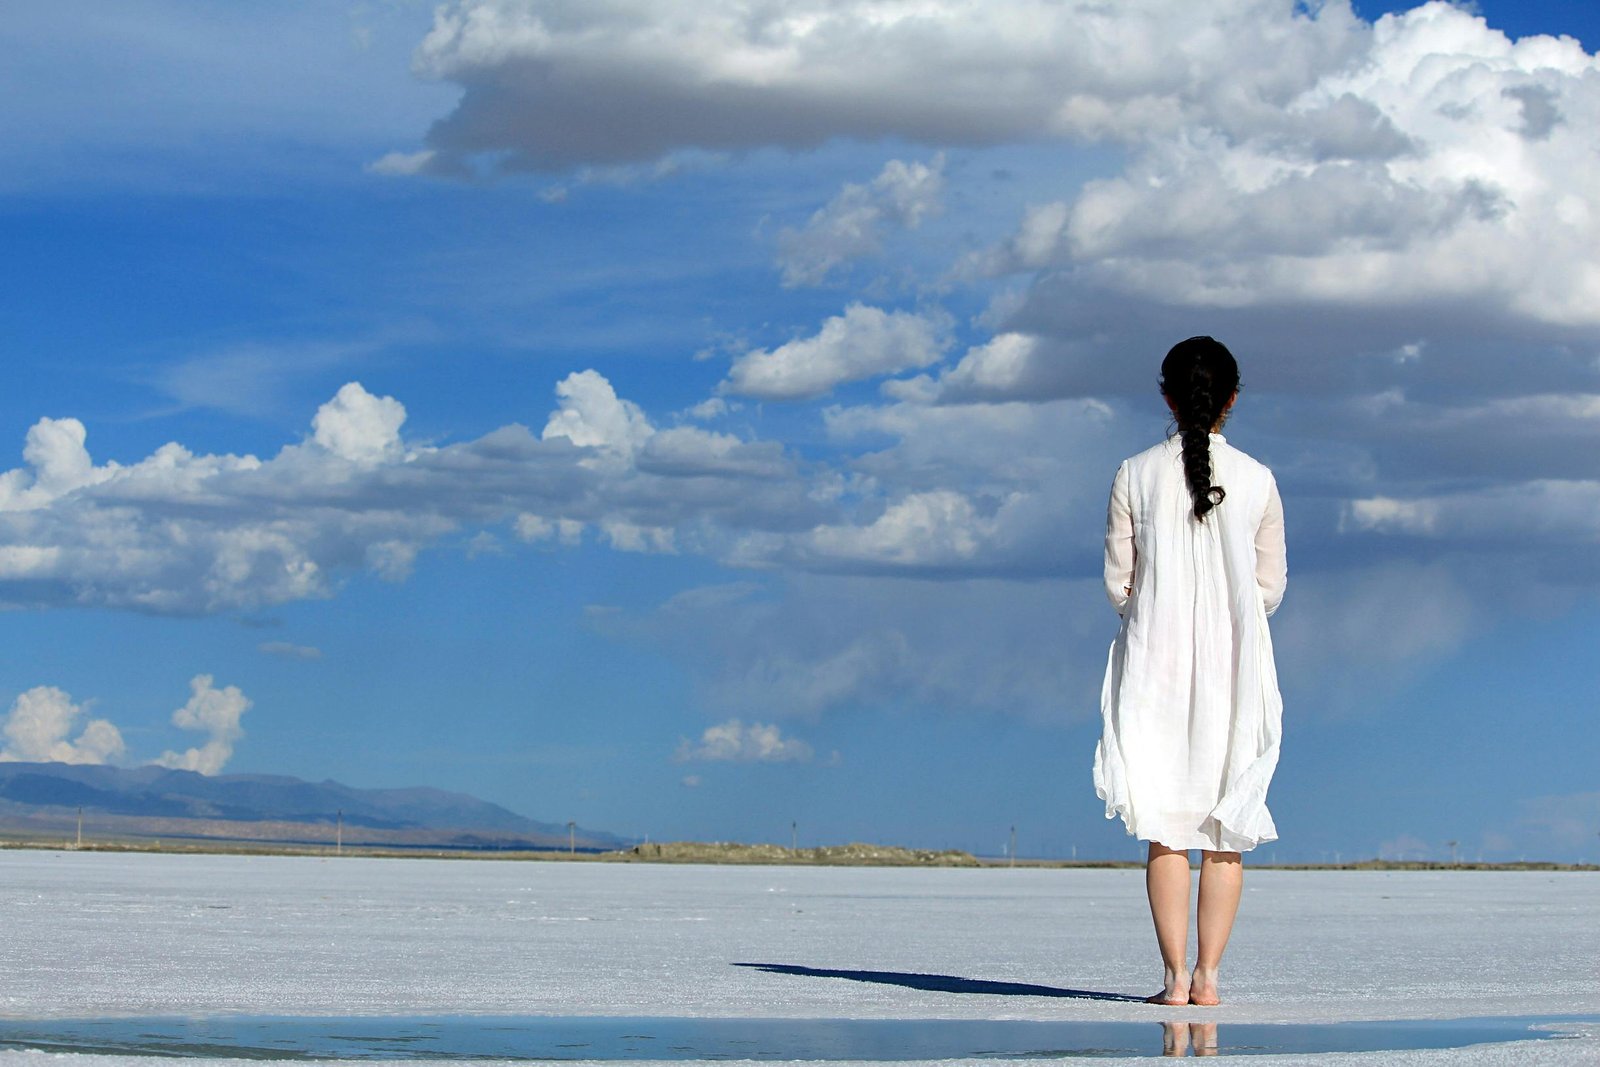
<point x="1194" y="565"/>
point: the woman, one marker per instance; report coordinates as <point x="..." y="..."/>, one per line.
<point x="1194" y="565"/>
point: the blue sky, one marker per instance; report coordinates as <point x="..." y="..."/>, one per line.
<point x="691" y="420"/>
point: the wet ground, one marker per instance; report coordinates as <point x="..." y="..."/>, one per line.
<point x="807" y="963"/>
<point x="619" y="1039"/>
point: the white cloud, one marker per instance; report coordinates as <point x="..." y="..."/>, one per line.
<point x="851" y="225"/>
<point x="1037" y="243"/>
<point x="1010" y="365"/>
<point x="713" y="407"/>
<point x="593" y="416"/>
<point x="402" y="163"/>
<point x="546" y="89"/>
<point x="55" y="450"/>
<point x="691" y="451"/>
<point x="1544" y="512"/>
<point x="629" y="537"/>
<point x="734" y="741"/>
<point x="1438" y="161"/>
<point x="864" y="342"/>
<point x="178" y="532"/>
<point x="529" y="527"/>
<point x="359" y="427"/>
<point x="963" y="490"/>
<point x="936" y="527"/>
<point x="216" y="712"/>
<point x="39" y="723"/>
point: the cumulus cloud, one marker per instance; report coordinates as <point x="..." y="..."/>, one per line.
<point x="593" y="416"/>
<point x="359" y="427"/>
<point x="179" y="532"/>
<point x="735" y="741"/>
<point x="1012" y="365"/>
<point x="961" y="491"/>
<point x="1434" y="161"/>
<point x="864" y="342"/>
<point x="55" y="450"/>
<point x="852" y="224"/>
<point x="40" y="722"/>
<point x="216" y="713"/>
<point x="939" y="527"/>
<point x="549" y="88"/>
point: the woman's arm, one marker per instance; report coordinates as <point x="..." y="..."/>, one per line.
<point x="1119" y="543"/>
<point x="1272" y="563"/>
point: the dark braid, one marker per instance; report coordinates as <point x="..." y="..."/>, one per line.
<point x="1199" y="377"/>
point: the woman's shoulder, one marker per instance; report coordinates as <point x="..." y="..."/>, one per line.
<point x="1238" y="458"/>
<point x="1160" y="452"/>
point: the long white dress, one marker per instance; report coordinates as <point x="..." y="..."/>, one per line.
<point x="1192" y="714"/>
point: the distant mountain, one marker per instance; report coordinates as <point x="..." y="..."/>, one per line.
<point x="158" y="801"/>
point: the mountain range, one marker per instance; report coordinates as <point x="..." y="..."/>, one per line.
<point x="156" y="801"/>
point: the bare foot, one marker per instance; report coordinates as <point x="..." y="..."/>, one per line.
<point x="1174" y="991"/>
<point x="1203" y="988"/>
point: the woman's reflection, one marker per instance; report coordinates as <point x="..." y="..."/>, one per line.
<point x="1178" y="1038"/>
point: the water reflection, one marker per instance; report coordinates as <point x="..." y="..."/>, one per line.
<point x="623" y="1039"/>
<point x="1179" y="1038"/>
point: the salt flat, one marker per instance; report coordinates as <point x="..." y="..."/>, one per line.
<point x="91" y="934"/>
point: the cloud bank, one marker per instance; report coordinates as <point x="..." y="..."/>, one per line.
<point x="547" y="86"/>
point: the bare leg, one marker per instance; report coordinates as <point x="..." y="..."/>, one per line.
<point x="1166" y="882"/>
<point x="1221" y="881"/>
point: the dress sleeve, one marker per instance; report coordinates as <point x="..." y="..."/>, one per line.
<point x="1272" y="565"/>
<point x="1119" y="543"/>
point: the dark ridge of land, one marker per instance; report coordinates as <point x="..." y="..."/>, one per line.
<point x="681" y="852"/>
<point x="851" y="855"/>
<point x="132" y="832"/>
<point x="159" y="803"/>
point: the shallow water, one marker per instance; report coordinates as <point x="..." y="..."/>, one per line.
<point x="545" y="1038"/>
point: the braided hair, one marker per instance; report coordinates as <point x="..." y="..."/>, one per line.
<point x="1199" y="377"/>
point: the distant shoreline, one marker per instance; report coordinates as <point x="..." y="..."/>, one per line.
<point x="712" y="853"/>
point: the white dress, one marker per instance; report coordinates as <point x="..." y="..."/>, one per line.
<point x="1192" y="714"/>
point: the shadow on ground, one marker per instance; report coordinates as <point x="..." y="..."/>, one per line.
<point x="943" y="983"/>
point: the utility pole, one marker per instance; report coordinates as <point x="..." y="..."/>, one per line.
<point x="572" y="838"/>
<point x="80" y="828"/>
<point x="1012" y="850"/>
<point x="338" y="835"/>
<point x="794" y="836"/>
